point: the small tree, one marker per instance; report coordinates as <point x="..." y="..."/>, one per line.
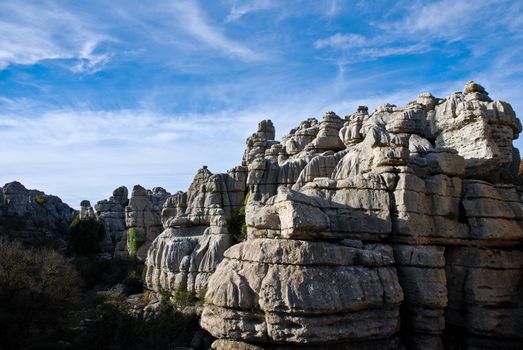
<point x="37" y="290"/>
<point x="85" y="235"/>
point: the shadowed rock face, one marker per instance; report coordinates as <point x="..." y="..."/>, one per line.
<point x="405" y="221"/>
<point x="32" y="216"/>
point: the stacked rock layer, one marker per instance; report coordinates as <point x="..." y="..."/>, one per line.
<point x="196" y="231"/>
<point x="398" y="228"/>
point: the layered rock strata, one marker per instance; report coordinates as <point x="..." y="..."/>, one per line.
<point x="142" y="219"/>
<point x="196" y="231"/>
<point x="111" y="214"/>
<point x="428" y="190"/>
<point x="301" y="292"/>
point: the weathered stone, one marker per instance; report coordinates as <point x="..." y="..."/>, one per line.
<point x="111" y="214"/>
<point x="196" y="231"/>
<point x="485" y="295"/>
<point x="33" y="217"/>
<point x="324" y="285"/>
<point x="142" y="218"/>
<point x="86" y="211"/>
<point x="413" y="208"/>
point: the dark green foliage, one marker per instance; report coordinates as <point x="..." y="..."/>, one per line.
<point x="184" y="298"/>
<point x="42" y="307"/>
<point x="115" y="328"/>
<point x="237" y="226"/>
<point x="133" y="283"/>
<point x="37" y="288"/>
<point x="85" y="236"/>
<point x="144" y="274"/>
<point x="135" y="239"/>
<point x="106" y="273"/>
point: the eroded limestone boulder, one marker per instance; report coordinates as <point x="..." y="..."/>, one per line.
<point x="303" y="292"/>
<point x="479" y="129"/>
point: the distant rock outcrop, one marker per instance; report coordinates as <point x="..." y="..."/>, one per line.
<point x="33" y="217"/>
<point x="111" y="214"/>
<point x="142" y="219"/>
<point x="408" y="219"/>
<point x="86" y="211"/>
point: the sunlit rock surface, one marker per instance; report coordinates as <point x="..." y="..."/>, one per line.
<point x="400" y="227"/>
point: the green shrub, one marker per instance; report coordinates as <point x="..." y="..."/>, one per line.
<point x="115" y="328"/>
<point x="135" y="239"/>
<point x="107" y="273"/>
<point x="184" y="298"/>
<point x="85" y="236"/>
<point x="165" y="299"/>
<point x="237" y="225"/>
<point x="144" y="274"/>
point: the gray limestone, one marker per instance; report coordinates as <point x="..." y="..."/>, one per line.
<point x="349" y="221"/>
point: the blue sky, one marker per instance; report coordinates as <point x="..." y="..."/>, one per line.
<point x="98" y="94"/>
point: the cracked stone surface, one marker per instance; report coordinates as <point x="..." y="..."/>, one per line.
<point x="404" y="219"/>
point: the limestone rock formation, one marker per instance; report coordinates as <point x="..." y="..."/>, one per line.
<point x="408" y="220"/>
<point x="111" y="214"/>
<point x="142" y="219"/>
<point x="86" y="211"/>
<point x="196" y="230"/>
<point x="296" y="291"/>
<point x="33" y="217"/>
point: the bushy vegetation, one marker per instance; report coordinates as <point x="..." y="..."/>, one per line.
<point x="49" y="302"/>
<point x="38" y="287"/>
<point x="184" y="298"/>
<point x="135" y="239"/>
<point x="115" y="328"/>
<point x="85" y="236"/>
<point x="104" y="273"/>
<point x="237" y="225"/>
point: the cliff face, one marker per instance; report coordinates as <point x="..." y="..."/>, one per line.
<point x="130" y="224"/>
<point x="111" y="214"/>
<point x="404" y="222"/>
<point x="196" y="231"/>
<point x="33" y="217"/>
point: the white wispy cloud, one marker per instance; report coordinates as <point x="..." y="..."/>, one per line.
<point x="35" y="32"/>
<point x="421" y="26"/>
<point x="88" y="61"/>
<point x="242" y="8"/>
<point x="333" y="8"/>
<point x="195" y="23"/>
<point x="447" y="19"/>
<point x="342" y="41"/>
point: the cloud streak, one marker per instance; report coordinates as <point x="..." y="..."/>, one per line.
<point x="196" y="24"/>
<point x="33" y="33"/>
<point x="243" y="8"/>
